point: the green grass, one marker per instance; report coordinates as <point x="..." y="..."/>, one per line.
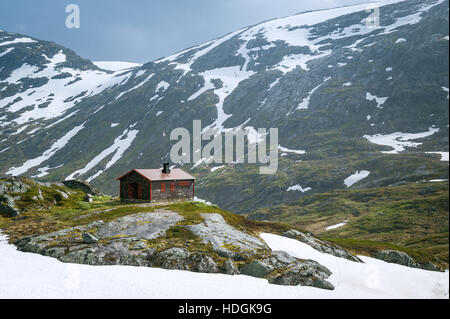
<point x="104" y="198"/>
<point x="241" y="189"/>
<point x="47" y="209"/>
<point x="412" y="218"/>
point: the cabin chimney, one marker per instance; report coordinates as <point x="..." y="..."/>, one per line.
<point x="166" y="168"/>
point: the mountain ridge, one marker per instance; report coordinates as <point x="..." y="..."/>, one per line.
<point x="259" y="83"/>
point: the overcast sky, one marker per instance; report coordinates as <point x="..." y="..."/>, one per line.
<point x="144" y="30"/>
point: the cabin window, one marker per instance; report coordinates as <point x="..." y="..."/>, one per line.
<point x="184" y="183"/>
<point x="163" y="187"/>
<point x="172" y="186"/>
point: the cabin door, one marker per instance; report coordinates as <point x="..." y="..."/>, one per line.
<point x="134" y="191"/>
<point x="139" y="191"/>
<point x="130" y="191"/>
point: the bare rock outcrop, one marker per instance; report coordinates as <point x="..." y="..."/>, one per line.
<point x="146" y="239"/>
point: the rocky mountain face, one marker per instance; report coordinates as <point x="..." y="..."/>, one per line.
<point x="356" y="105"/>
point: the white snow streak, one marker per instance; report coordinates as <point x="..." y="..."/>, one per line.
<point x="59" y="144"/>
<point x="6" y="52"/>
<point x="355" y="178"/>
<point x="298" y="188"/>
<point x="135" y="87"/>
<point x="120" y="145"/>
<point x="286" y="150"/>
<point x="305" y="103"/>
<point x="16" y="41"/>
<point x="337" y="225"/>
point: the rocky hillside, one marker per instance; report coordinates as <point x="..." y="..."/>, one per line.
<point x="57" y="221"/>
<point x="346" y="98"/>
<point x="54" y="220"/>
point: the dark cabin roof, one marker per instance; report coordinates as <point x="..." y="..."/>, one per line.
<point x="157" y="174"/>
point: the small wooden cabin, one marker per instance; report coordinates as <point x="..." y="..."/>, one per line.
<point x="156" y="185"/>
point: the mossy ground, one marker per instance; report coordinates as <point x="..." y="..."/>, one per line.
<point x="412" y="218"/>
<point x="77" y="213"/>
<point x="241" y="189"/>
<point x="53" y="212"/>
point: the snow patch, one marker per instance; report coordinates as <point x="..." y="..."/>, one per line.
<point x="196" y="199"/>
<point x="163" y="86"/>
<point x="230" y="77"/>
<point x="16" y="41"/>
<point x="304" y="105"/>
<point x="59" y="144"/>
<point x="445" y="89"/>
<point x="116" y="65"/>
<point x="379" y="100"/>
<point x="444" y="155"/>
<point x="60" y="94"/>
<point x="298" y="188"/>
<point x="398" y="141"/>
<point x="355" y="178"/>
<point x="135" y="87"/>
<point x="372" y="279"/>
<point x="118" y="148"/>
<point x="213" y="169"/>
<point x="6" y="52"/>
<point x="337" y="225"/>
<point x="286" y="150"/>
<point x="400" y="40"/>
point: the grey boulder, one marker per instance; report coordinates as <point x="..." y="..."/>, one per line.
<point x="89" y="238"/>
<point x="401" y="258"/>
<point x="257" y="269"/>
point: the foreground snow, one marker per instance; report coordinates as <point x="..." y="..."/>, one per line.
<point x="116" y="65"/>
<point x="372" y="279"/>
<point x="26" y="275"/>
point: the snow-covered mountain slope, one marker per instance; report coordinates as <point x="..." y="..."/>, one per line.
<point x="340" y="92"/>
<point x="372" y="279"/>
<point x="116" y="65"/>
<point x="42" y="81"/>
